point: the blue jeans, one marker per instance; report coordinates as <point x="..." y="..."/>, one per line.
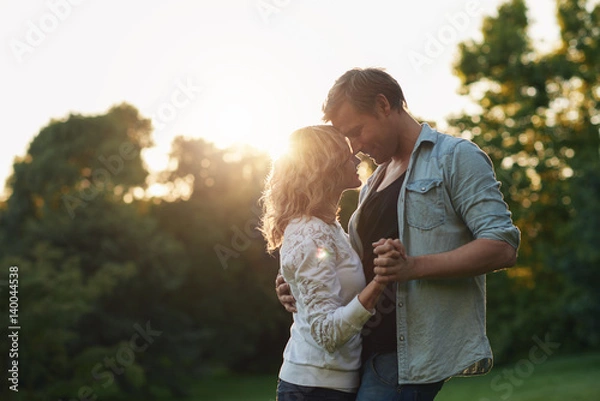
<point x="379" y="382"/>
<point x="293" y="392"/>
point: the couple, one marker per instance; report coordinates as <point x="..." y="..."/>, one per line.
<point x="430" y="223"/>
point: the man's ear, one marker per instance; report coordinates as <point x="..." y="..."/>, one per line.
<point x="382" y="105"/>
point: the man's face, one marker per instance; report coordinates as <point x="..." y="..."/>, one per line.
<point x="368" y="133"/>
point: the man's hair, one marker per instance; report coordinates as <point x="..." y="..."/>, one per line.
<point x="360" y="87"/>
<point x="303" y="181"/>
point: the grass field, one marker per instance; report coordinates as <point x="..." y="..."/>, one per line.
<point x="559" y="378"/>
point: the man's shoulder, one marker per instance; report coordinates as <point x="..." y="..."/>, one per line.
<point x="443" y="138"/>
<point x="445" y="143"/>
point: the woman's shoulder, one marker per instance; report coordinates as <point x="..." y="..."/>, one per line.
<point x="307" y="223"/>
<point x="311" y="229"/>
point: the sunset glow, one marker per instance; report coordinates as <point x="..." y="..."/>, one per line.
<point x="226" y="71"/>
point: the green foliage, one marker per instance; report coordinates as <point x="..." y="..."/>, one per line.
<point x="53" y="297"/>
<point x="558" y="378"/>
<point x="538" y="121"/>
<point x="102" y="264"/>
<point x="99" y="266"/>
<point x="238" y="315"/>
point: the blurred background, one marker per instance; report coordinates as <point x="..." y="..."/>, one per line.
<point x="137" y="138"/>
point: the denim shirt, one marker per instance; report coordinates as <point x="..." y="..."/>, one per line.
<point x="449" y="198"/>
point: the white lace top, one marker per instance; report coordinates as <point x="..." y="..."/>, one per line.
<point x="325" y="276"/>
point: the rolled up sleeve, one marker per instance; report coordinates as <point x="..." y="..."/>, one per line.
<point x="476" y="195"/>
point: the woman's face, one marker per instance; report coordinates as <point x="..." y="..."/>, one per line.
<point x="349" y="174"/>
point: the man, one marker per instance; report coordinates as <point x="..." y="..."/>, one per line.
<point x="439" y="197"/>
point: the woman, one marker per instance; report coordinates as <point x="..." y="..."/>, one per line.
<point x="300" y="203"/>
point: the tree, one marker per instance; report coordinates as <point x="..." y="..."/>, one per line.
<point x="230" y="269"/>
<point x="115" y="270"/>
<point x="538" y="121"/>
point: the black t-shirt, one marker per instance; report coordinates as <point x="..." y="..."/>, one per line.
<point x="379" y="219"/>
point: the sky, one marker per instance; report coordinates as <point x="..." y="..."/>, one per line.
<point x="230" y="71"/>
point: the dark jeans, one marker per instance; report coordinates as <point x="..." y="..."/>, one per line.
<point x="292" y="392"/>
<point x="379" y="382"/>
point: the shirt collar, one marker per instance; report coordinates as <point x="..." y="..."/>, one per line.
<point x="427" y="134"/>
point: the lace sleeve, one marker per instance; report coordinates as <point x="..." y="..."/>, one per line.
<point x="311" y="268"/>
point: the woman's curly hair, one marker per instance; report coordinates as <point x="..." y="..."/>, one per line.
<point x="304" y="181"/>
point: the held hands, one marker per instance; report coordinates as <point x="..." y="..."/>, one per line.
<point x="391" y="263"/>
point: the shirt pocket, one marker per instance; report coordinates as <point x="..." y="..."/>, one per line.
<point x="424" y="204"/>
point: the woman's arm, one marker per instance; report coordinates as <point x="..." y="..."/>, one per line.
<point x="368" y="297"/>
<point x="312" y="274"/>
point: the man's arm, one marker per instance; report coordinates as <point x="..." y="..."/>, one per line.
<point x="476" y="197"/>
<point x="478" y="257"/>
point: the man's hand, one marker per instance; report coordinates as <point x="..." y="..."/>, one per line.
<point x="390" y="248"/>
<point x="391" y="263"/>
<point x="284" y="294"/>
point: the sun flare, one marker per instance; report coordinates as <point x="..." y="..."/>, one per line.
<point x="231" y="113"/>
<point x="245" y="112"/>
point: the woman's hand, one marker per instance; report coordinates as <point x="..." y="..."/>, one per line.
<point x="284" y="294"/>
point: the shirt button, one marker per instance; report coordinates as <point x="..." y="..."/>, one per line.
<point x="401" y="338"/>
<point x="400" y="304"/>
